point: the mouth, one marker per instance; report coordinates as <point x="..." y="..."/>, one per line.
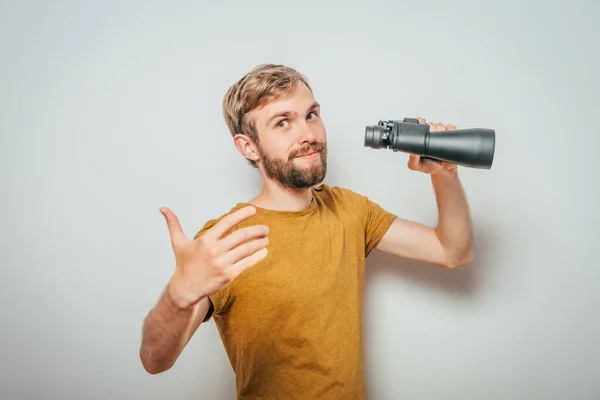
<point x="311" y="155"/>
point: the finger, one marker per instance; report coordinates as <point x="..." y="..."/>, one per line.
<point x="421" y="120"/>
<point x="175" y="231"/>
<point x="245" y="263"/>
<point x="414" y="161"/>
<point x="242" y="251"/>
<point x="241" y="235"/>
<point x="435" y="127"/>
<point x="229" y="221"/>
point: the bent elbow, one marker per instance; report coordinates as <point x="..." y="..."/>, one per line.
<point x="459" y="262"/>
<point x="153" y="366"/>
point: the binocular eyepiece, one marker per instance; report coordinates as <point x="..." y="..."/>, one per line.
<point x="472" y="148"/>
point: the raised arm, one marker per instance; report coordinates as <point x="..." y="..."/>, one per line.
<point x="450" y="243"/>
<point x="203" y="266"/>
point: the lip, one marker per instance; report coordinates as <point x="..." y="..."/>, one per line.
<point x="314" y="154"/>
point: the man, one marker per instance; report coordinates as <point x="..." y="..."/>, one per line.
<point x="283" y="273"/>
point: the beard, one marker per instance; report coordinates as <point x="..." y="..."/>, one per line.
<point x="292" y="176"/>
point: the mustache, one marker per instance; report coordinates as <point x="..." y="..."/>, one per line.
<point x="310" y="148"/>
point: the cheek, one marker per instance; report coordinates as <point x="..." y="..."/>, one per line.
<point x="278" y="149"/>
<point x="319" y="130"/>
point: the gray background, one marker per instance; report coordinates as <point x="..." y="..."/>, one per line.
<point x="110" y="110"/>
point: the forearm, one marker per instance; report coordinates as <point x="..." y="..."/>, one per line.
<point x="165" y="333"/>
<point x="454" y="228"/>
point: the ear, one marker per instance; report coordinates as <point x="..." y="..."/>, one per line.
<point x="246" y="147"/>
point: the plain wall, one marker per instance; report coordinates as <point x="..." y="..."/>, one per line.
<point x="111" y="110"/>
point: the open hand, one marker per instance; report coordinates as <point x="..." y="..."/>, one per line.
<point x="212" y="260"/>
<point x="426" y="165"/>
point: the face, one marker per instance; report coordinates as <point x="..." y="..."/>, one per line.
<point x="292" y="140"/>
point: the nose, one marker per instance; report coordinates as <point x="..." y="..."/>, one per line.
<point x="307" y="134"/>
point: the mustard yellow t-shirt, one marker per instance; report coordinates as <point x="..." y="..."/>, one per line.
<point x="292" y="325"/>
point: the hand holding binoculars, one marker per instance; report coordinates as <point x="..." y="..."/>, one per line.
<point x="473" y="148"/>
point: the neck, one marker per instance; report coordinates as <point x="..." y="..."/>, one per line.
<point x="275" y="197"/>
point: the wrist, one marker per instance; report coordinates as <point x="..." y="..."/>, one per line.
<point x="445" y="173"/>
<point x="177" y="296"/>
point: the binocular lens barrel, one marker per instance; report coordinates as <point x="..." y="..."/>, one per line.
<point x="472" y="148"/>
<point x="374" y="137"/>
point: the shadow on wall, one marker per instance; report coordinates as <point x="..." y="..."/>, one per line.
<point x="461" y="282"/>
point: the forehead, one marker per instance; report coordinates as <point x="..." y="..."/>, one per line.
<point x="297" y="100"/>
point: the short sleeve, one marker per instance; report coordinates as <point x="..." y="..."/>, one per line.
<point x="374" y="219"/>
<point x="219" y="303"/>
<point x="378" y="221"/>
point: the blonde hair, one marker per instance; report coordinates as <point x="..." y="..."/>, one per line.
<point x="261" y="85"/>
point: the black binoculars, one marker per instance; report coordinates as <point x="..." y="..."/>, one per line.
<point x="472" y="148"/>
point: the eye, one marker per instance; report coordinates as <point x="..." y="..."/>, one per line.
<point x="283" y="123"/>
<point x="312" y="113"/>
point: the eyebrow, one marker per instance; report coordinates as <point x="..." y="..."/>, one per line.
<point x="312" y="107"/>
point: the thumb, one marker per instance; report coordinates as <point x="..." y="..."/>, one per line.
<point x="175" y="231"/>
<point x="414" y="161"/>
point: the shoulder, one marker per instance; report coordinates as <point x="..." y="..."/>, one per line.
<point x="339" y="194"/>
<point x="350" y="201"/>
<point x="212" y="222"/>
